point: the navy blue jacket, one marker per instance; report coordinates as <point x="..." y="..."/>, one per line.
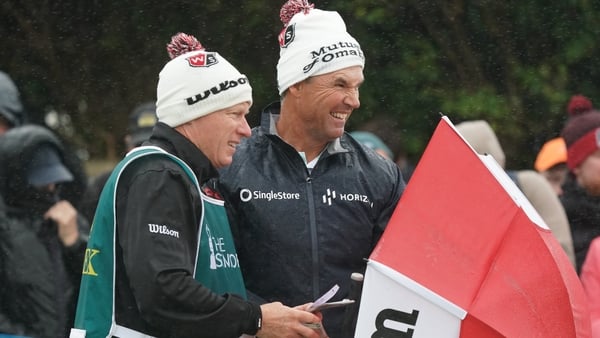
<point x="298" y="233"/>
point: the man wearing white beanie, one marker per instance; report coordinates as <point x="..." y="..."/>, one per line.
<point x="307" y="202"/>
<point x="160" y="260"/>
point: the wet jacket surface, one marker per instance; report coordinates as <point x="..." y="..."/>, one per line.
<point x="156" y="292"/>
<point x="298" y="233"/>
<point x="38" y="275"/>
<point x="583" y="212"/>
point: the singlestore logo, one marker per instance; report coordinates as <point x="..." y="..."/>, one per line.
<point x="247" y="195"/>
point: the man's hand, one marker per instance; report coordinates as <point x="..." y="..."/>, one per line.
<point x="280" y="321"/>
<point x="65" y="217"/>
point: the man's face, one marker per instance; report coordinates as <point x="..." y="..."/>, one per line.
<point x="218" y="134"/>
<point x="328" y="101"/>
<point x="588" y="173"/>
<point x="556" y="176"/>
<point x="4" y="125"/>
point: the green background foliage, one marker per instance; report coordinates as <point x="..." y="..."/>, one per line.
<point x="513" y="63"/>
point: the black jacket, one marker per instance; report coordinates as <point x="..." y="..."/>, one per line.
<point x="583" y="212"/>
<point x="298" y="233"/>
<point x="39" y="276"/>
<point x="156" y="292"/>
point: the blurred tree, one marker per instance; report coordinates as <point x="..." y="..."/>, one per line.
<point x="513" y="63"/>
<point x="95" y="61"/>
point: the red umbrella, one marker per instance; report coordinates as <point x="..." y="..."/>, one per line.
<point x="466" y="255"/>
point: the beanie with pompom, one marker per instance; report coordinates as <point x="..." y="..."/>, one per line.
<point x="579" y="104"/>
<point x="196" y="83"/>
<point x="313" y="42"/>
<point x="582" y="131"/>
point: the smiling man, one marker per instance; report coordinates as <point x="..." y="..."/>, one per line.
<point x="340" y="194"/>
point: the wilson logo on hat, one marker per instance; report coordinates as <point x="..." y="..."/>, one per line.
<point x="195" y="75"/>
<point x="202" y="60"/>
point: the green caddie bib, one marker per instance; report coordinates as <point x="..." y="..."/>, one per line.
<point x="217" y="266"/>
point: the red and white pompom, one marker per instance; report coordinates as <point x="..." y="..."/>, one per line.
<point x="182" y="43"/>
<point x="293" y="7"/>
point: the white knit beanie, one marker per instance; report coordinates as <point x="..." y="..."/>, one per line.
<point x="313" y="42"/>
<point x="196" y="83"/>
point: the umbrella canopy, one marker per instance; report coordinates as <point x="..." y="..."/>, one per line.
<point x="466" y="255"/>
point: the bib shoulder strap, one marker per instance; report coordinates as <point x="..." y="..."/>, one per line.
<point x="148" y="150"/>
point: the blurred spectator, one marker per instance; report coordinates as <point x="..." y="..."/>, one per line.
<point x="581" y="196"/>
<point x="388" y="130"/>
<point x="141" y="122"/>
<point x="374" y="142"/>
<point x="42" y="236"/>
<point x="590" y="279"/>
<point x="534" y="186"/>
<point x="581" y="191"/>
<point x="11" y="108"/>
<point x="12" y="114"/>
<point x="551" y="162"/>
<point x="371" y="140"/>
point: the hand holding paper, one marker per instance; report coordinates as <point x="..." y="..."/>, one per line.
<point x="321" y="303"/>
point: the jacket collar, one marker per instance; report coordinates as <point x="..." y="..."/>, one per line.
<point x="173" y="142"/>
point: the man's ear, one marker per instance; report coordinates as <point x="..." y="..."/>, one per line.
<point x="295" y="89"/>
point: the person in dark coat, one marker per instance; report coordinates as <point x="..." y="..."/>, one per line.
<point x="11" y="108"/>
<point x="581" y="190"/>
<point x="13" y="114"/>
<point x="42" y="236"/>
